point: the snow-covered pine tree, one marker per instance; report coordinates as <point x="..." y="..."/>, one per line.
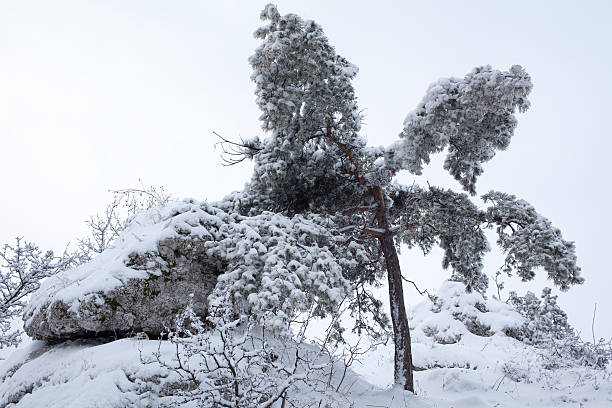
<point x="309" y="107"/>
<point x="314" y="161"/>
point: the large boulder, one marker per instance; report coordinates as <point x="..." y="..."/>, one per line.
<point x="158" y="264"/>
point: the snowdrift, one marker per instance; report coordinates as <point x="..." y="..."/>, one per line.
<point x="461" y="347"/>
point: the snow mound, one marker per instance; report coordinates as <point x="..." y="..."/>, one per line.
<point x="453" y="314"/>
<point x="81" y="374"/>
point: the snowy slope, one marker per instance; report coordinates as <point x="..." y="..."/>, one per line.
<point x="491" y="370"/>
<point x="77" y="374"/>
<point x="83" y="374"/>
<point x="463" y="369"/>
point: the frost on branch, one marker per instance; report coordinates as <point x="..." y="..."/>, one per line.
<point x="531" y="241"/>
<point x="301" y="83"/>
<point x="428" y="217"/>
<point x="23" y="266"/>
<point x="473" y="117"/>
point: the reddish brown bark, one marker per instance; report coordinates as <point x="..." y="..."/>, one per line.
<point x="401" y="331"/>
<point x="399" y="319"/>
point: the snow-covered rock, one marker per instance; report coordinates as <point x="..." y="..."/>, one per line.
<point x="137" y="285"/>
<point x="269" y="265"/>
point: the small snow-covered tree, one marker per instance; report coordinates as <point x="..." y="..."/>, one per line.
<point x="23" y="265"/>
<point x="546" y="327"/>
<point x="315" y="161"/>
<point x="544" y="319"/>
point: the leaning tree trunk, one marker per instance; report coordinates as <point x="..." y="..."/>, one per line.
<point x="401" y="331"/>
<point x="399" y="319"/>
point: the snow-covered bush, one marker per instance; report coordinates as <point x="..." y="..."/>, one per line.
<point x="453" y="313"/>
<point x="546" y="327"/>
<point x="239" y="363"/>
<point x="544" y="319"/>
<point x="278" y="267"/>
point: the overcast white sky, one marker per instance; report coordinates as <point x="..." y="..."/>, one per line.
<point x="95" y="95"/>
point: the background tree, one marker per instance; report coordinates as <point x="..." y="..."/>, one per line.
<point x="314" y="160"/>
<point x="546" y="327"/>
<point x="105" y="228"/>
<point x="23" y="265"/>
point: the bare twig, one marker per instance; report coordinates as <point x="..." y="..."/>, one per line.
<point x="233" y="152"/>
<point x="421" y="292"/>
<point x="593" y="323"/>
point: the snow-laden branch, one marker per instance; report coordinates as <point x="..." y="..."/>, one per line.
<point x="472" y="117"/>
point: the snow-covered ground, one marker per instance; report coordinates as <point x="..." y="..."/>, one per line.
<point x="490" y="372"/>
<point x="457" y="368"/>
<point x="482" y="371"/>
<point x="76" y="374"/>
<point x="82" y="374"/>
